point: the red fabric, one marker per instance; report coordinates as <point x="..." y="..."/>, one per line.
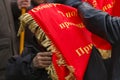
<point x="116" y="8"/>
<point x="67" y="39"/>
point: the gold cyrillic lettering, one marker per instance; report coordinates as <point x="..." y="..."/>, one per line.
<point x="71" y="14"/>
<point x="67" y="24"/>
<point x="108" y="6"/>
<point x="80" y="51"/>
<point x="84" y="50"/>
<point x="43" y="7"/>
<point x="61" y="13"/>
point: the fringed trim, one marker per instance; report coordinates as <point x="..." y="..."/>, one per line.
<point x="46" y="42"/>
<point x="71" y="74"/>
<point x="52" y="72"/>
<point x="61" y="62"/>
<point x="40" y="35"/>
<point x="27" y="20"/>
<point x="105" y="53"/>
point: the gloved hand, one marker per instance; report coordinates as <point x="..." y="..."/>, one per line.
<point x="73" y="3"/>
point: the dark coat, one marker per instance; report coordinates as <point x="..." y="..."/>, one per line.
<point x="7" y="36"/>
<point x="107" y="27"/>
<point x="20" y="67"/>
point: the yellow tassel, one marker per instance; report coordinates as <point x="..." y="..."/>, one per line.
<point x="52" y="72"/>
<point x="105" y="54"/>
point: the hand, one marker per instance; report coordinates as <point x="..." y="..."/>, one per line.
<point x="23" y="3"/>
<point x="42" y="60"/>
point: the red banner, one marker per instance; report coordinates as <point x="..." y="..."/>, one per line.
<point x="65" y="29"/>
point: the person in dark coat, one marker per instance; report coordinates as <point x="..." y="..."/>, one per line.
<point x="30" y="65"/>
<point x="105" y="26"/>
<point x="34" y="59"/>
<point x="8" y="45"/>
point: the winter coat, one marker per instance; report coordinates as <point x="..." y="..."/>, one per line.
<point x="8" y="45"/>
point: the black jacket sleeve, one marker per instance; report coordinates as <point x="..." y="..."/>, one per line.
<point x="20" y="68"/>
<point x="100" y="23"/>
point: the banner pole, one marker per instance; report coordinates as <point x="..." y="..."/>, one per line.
<point x="22" y="35"/>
